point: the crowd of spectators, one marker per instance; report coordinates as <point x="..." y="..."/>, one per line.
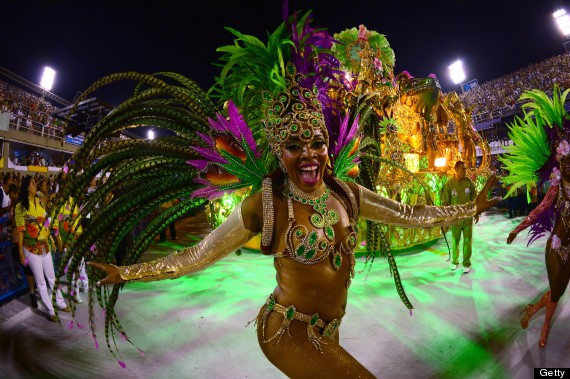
<point x="30" y="113"/>
<point x="32" y="159"/>
<point x="498" y="95"/>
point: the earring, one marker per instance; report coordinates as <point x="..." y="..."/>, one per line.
<point x="282" y="166"/>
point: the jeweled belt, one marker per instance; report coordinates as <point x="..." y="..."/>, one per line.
<point x="290" y="313"/>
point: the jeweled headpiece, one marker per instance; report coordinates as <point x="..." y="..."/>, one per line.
<point x="295" y="112"/>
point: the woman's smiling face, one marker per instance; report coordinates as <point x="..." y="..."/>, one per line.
<point x="306" y="161"/>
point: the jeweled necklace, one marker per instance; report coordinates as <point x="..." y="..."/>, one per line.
<point x="324" y="219"/>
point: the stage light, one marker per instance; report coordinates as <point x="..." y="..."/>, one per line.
<point x="563" y="20"/>
<point x="47" y="78"/>
<point x="150" y="134"/>
<point x="456" y="72"/>
<point x="440" y="162"/>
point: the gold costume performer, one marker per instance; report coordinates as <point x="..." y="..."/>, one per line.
<point x="307" y="219"/>
<point x="303" y="205"/>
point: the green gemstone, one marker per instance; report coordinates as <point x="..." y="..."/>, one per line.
<point x="283" y="98"/>
<point x="329" y="231"/>
<point x="310" y="254"/>
<point x="296" y="198"/>
<point x="314" y="319"/>
<point x="307" y="133"/>
<point x="307" y="94"/>
<point x="299" y="233"/>
<point x="311" y="202"/>
<point x="295" y="92"/>
<point x="312" y="238"/>
<point x="337" y="261"/>
<point x="294" y="127"/>
<point x="290" y="312"/>
<point x="323" y="245"/>
<point x="303" y="200"/>
<point x="300" y="250"/>
<point x="271" y="304"/>
<point x="278" y="108"/>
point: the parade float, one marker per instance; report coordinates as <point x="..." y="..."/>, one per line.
<point x="411" y="136"/>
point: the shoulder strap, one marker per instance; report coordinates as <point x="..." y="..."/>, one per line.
<point x="347" y="192"/>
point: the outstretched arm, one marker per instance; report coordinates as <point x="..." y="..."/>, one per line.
<point x="226" y="238"/>
<point x="544" y="205"/>
<point x="377" y="208"/>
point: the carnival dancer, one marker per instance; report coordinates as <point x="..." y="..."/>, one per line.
<point x="543" y="147"/>
<point x="300" y="198"/>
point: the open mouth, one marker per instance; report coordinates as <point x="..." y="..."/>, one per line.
<point x="309" y="174"/>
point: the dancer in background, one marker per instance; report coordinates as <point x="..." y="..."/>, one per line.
<point x="543" y="147"/>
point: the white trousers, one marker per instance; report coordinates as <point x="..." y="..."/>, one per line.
<point x="42" y="267"/>
<point x="74" y="290"/>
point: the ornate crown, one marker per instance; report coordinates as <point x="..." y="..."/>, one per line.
<point x="296" y="112"/>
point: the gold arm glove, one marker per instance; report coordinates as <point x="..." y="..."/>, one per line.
<point x="386" y="211"/>
<point x="226" y="238"/>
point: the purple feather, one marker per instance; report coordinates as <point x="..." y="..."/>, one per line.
<point x="206" y="137"/>
<point x="345" y="135"/>
<point x="242" y="130"/>
<point x="199" y="164"/>
<point x="96" y="343"/>
<point x="210" y="154"/>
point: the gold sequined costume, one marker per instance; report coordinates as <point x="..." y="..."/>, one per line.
<point x="312" y="289"/>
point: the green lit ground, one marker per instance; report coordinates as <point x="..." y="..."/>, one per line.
<point x="464" y="326"/>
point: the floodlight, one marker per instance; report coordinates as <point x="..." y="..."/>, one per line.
<point x="563" y="21"/>
<point x="47" y="78"/>
<point x="456" y="72"/>
<point x="150" y="134"/>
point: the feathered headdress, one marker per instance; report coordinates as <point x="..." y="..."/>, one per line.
<point x="539" y="138"/>
<point x="216" y="149"/>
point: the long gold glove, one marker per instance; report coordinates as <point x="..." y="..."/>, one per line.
<point x="226" y="238"/>
<point x="386" y="211"/>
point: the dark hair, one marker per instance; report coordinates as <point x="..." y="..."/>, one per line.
<point x="7" y="176"/>
<point x="13" y="188"/>
<point x="24" y="195"/>
<point x="458" y="163"/>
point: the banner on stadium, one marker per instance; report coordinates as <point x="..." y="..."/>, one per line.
<point x="77" y="140"/>
<point x="467" y="86"/>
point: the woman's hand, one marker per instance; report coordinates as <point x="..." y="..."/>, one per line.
<point x="481" y="200"/>
<point x="112" y="277"/>
<point x="512" y="236"/>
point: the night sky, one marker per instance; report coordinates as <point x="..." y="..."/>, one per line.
<point x="85" y="42"/>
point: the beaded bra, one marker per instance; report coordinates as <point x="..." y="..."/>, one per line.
<point x="309" y="246"/>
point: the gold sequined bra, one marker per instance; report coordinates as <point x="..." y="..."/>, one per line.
<point x="313" y="244"/>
